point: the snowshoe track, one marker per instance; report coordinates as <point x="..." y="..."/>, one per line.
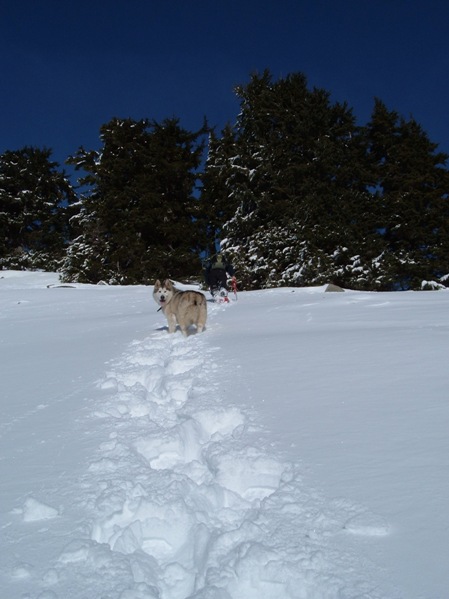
<point x="185" y="503"/>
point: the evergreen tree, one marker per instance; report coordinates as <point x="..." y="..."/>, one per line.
<point x="412" y="185"/>
<point x="139" y="210"/>
<point x="295" y="165"/>
<point x="35" y="199"/>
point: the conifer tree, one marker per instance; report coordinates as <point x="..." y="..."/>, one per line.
<point x="297" y="168"/>
<point x="35" y="200"/>
<point x="412" y="182"/>
<point x="137" y="219"/>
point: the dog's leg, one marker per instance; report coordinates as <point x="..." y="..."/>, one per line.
<point x="171" y="323"/>
<point x="201" y="322"/>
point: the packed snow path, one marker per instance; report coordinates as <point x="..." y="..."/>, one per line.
<point x="184" y="503"/>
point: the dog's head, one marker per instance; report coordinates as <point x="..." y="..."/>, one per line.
<point x="162" y="292"/>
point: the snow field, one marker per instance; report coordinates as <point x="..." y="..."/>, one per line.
<point x="142" y="469"/>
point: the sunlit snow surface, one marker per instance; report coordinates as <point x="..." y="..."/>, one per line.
<point x="297" y="449"/>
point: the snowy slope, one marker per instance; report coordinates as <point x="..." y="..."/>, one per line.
<point x="296" y="449"/>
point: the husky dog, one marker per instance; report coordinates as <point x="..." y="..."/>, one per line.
<point x="182" y="307"/>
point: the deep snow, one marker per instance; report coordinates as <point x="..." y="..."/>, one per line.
<point x="298" y="449"/>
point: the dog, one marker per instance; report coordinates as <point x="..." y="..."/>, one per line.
<point x="181" y="307"/>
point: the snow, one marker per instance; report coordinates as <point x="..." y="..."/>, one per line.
<point x="297" y="449"/>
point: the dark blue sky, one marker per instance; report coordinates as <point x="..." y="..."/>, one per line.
<point x="70" y="66"/>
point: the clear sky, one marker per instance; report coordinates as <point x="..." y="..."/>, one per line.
<point x="70" y="66"/>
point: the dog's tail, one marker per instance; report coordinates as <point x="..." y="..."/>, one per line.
<point x="200" y="300"/>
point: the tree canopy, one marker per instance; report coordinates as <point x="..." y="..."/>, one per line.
<point x="302" y="195"/>
<point x="295" y="191"/>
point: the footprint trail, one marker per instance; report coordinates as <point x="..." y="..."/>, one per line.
<point x="183" y="501"/>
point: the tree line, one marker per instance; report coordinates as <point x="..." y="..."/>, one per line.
<point x="295" y="191"/>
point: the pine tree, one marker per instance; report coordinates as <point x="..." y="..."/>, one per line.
<point x="412" y="185"/>
<point x="137" y="219"/>
<point x="296" y="166"/>
<point x="35" y="199"/>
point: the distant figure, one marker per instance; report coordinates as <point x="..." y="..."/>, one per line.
<point x="215" y="273"/>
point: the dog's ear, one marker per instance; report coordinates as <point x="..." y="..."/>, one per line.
<point x="157" y="284"/>
<point x="168" y="284"/>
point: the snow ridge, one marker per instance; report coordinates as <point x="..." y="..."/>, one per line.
<point x="185" y="502"/>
